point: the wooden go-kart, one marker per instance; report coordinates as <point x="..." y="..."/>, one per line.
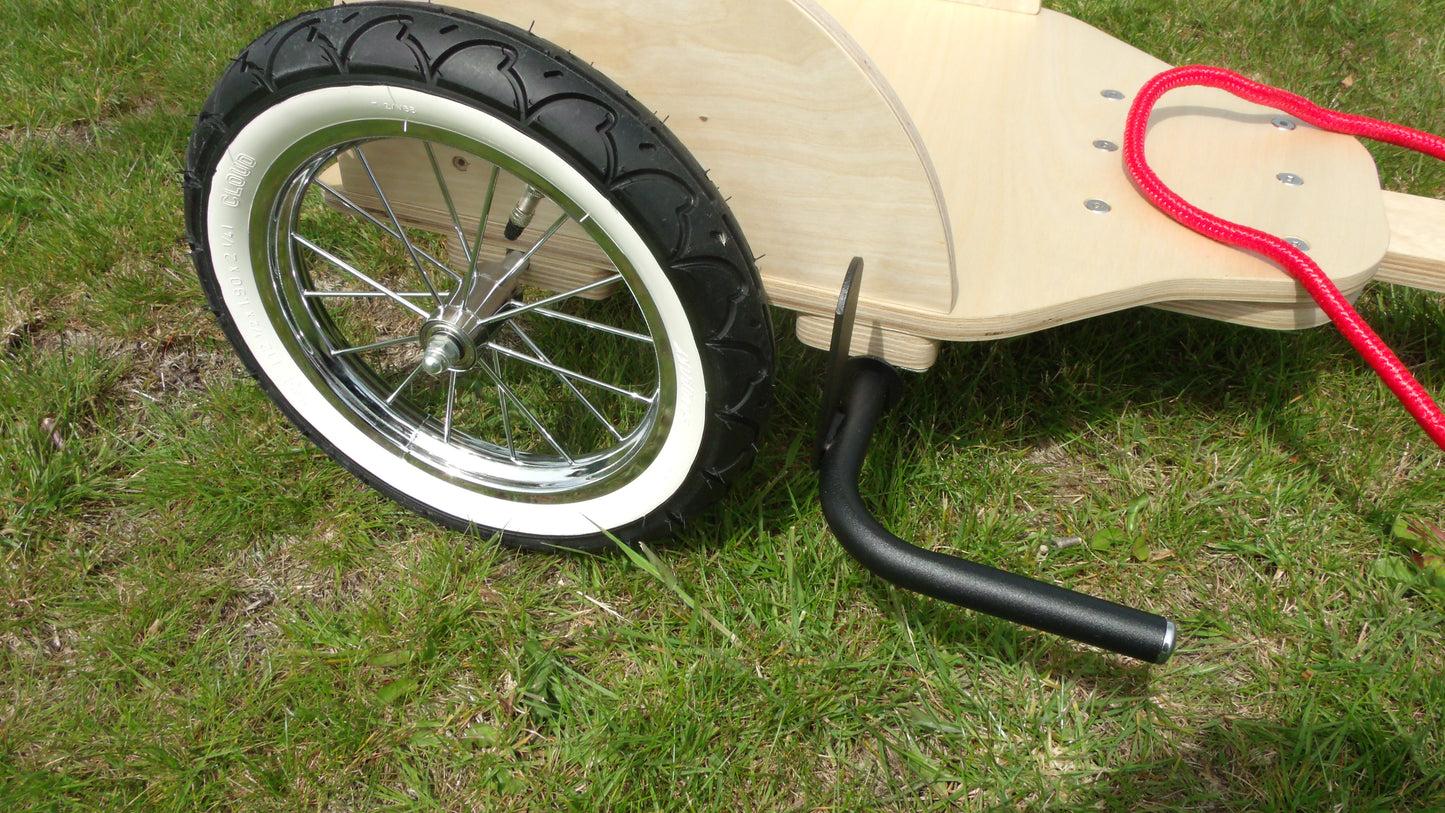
<point x="459" y="249"/>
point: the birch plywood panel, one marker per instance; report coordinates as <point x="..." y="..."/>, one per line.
<point x="1010" y="108"/>
<point x="955" y="146"/>
<point x="790" y="127"/>
<point x="1417" y="242"/>
<point x="1022" y="6"/>
<point x="1416" y="258"/>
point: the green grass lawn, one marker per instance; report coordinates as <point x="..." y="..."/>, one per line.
<point x="200" y="611"/>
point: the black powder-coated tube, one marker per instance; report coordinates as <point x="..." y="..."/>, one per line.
<point x="1015" y="598"/>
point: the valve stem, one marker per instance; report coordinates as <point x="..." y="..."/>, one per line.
<point x="522" y="213"/>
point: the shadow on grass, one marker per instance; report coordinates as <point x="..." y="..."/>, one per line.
<point x="1312" y="762"/>
<point x="1038" y="390"/>
<point x="1046" y="388"/>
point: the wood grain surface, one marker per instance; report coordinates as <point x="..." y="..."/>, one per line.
<point x="964" y="152"/>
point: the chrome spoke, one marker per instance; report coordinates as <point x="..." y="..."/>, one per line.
<point x="541" y="241"/>
<point x="542" y="303"/>
<point x="451" y="207"/>
<point x="572" y="374"/>
<point x="451" y="402"/>
<point x="506" y="413"/>
<point x="347" y="267"/>
<point x="482" y="221"/>
<point x="526" y="413"/>
<point x="405" y="241"/>
<point x="567" y="382"/>
<point x="402" y="385"/>
<point x="369" y="217"/>
<point x="365" y="294"/>
<point x="516" y="265"/>
<point x="588" y="323"/>
<point x="366" y="348"/>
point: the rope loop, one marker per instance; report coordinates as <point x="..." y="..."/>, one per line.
<point x="1294" y="261"/>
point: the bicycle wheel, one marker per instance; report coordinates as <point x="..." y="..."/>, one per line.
<point x="479" y="275"/>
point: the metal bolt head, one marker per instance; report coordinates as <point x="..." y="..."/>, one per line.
<point x="441" y="353"/>
<point x="1283" y="123"/>
<point x="1111" y="94"/>
<point x="1096" y="205"/>
<point x="1105" y="145"/>
<point x="1297" y="243"/>
<point x="1290" y="178"/>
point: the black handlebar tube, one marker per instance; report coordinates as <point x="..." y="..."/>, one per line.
<point x="869" y="385"/>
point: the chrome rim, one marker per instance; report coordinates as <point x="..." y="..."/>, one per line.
<point x="535" y="367"/>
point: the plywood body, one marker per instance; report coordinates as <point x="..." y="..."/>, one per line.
<point x="788" y="125"/>
<point x="1021" y="6"/>
<point x="1011" y="108"/>
<point x="954" y="147"/>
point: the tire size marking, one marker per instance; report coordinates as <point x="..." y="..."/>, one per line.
<point x="245" y="309"/>
<point x="686" y="384"/>
<point x="242" y="305"/>
<point x="402" y="108"/>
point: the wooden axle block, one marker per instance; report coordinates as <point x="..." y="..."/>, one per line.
<point x="902" y="350"/>
<point x="404" y="172"/>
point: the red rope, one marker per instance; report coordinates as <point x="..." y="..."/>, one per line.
<point x="1298" y="264"/>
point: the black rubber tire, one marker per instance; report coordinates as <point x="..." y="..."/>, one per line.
<point x="598" y="130"/>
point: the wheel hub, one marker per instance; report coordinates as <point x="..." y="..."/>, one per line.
<point x="450" y="338"/>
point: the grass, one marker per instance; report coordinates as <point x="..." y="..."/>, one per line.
<point x="203" y="612"/>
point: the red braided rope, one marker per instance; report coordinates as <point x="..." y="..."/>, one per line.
<point x="1298" y="264"/>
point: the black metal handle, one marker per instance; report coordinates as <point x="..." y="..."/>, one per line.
<point x="870" y="384"/>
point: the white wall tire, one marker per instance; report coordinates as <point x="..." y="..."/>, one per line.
<point x="517" y="438"/>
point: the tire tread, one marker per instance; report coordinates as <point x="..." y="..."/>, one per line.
<point x="621" y="147"/>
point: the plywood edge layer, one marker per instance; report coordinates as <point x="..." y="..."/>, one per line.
<point x="898" y="349"/>
<point x="953" y="328"/>
<point x="1416" y="257"/>
<point x="1252" y="314"/>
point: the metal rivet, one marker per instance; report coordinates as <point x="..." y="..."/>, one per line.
<point x="1290" y="178"/>
<point x="1096" y="205"/>
<point x="1297" y="243"/>
<point x="1106" y="145"/>
<point x="1111" y="94"/>
<point x="1283" y="123"/>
